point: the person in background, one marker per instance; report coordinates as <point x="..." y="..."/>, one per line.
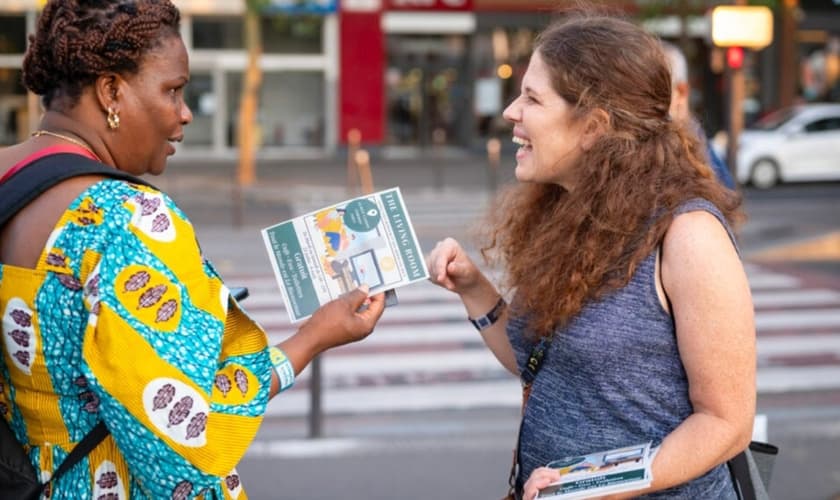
<point x="110" y="312"/>
<point x="681" y="110"/>
<point x="621" y="267"/>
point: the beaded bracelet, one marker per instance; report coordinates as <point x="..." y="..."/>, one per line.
<point x="283" y="367"/>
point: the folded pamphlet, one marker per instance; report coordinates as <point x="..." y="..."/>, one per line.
<point x="601" y="473"/>
<point x="326" y="253"/>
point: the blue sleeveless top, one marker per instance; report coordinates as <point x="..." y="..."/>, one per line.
<point x="612" y="377"/>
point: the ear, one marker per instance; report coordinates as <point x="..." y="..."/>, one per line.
<point x="108" y="88"/>
<point x="594" y="125"/>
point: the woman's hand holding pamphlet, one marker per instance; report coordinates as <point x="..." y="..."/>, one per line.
<point x="601" y="473"/>
<point x="322" y="255"/>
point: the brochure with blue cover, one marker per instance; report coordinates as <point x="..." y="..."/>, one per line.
<point x="323" y="254"/>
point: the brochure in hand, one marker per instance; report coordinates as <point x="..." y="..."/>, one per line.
<point x="596" y="474"/>
<point x="323" y="254"/>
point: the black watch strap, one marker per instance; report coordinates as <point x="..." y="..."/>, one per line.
<point x="489" y="319"/>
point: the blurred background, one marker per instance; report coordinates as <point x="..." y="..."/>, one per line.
<point x="299" y="104"/>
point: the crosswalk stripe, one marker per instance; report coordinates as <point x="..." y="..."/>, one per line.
<point x="797" y="319"/>
<point x="788" y="298"/>
<point x="460" y="396"/>
<point x="792" y="379"/>
<point x="798" y="345"/>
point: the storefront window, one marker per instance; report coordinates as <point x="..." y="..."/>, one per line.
<point x="501" y="56"/>
<point x="12" y="34"/>
<point x="291" y="111"/>
<point x="426" y="84"/>
<point x="281" y="33"/>
<point x="202" y="100"/>
<point x="13" y="108"/>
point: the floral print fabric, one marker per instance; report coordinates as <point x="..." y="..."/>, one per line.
<point x="124" y="321"/>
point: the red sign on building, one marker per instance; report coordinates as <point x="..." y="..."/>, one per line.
<point x="445" y="5"/>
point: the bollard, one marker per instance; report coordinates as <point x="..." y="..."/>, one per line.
<point x="438" y="143"/>
<point x="365" y="176"/>
<point x="494" y="150"/>
<point x="354" y="141"/>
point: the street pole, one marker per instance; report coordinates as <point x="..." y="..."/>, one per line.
<point x="494" y="149"/>
<point x="736" y="117"/>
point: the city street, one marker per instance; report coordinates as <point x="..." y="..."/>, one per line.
<point x="421" y="410"/>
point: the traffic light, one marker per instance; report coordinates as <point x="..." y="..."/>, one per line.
<point x="735" y="57"/>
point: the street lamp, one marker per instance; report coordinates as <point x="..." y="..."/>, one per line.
<point x="738" y="27"/>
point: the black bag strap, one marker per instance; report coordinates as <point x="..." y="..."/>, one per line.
<point x="81" y="450"/>
<point x="741" y="479"/>
<point x="21" y="189"/>
<point x="33" y="179"/>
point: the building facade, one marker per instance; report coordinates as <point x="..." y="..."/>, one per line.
<point x="416" y="74"/>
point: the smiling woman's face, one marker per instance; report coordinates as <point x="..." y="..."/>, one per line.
<point x="152" y="109"/>
<point x="543" y="126"/>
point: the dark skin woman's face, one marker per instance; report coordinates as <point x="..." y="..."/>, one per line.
<point x="152" y="109"/>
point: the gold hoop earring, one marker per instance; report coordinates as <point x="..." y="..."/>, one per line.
<point x="113" y="119"/>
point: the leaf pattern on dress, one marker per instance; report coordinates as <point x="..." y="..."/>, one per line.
<point x="22" y="357"/>
<point x="136" y="281"/>
<point x="81" y="381"/>
<point x="166" y="311"/>
<point x="20" y="337"/>
<point x="241" y="381"/>
<point x="223" y="384"/>
<point x="70" y="282"/>
<point x="92" y="287"/>
<point x="160" y="223"/>
<point x="22" y="318"/>
<point x="151" y="296"/>
<point x="108" y="496"/>
<point x="232" y="482"/>
<point x="107" y="480"/>
<point x="3" y="409"/>
<point x="95" y="309"/>
<point x="86" y="221"/>
<point x="197" y="425"/>
<point x="182" y="491"/>
<point x="180" y="411"/>
<point x="150" y="205"/>
<point x="56" y="259"/>
<point x="163" y="397"/>
<point x="91" y="401"/>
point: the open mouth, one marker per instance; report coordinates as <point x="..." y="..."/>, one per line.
<point x="524" y="144"/>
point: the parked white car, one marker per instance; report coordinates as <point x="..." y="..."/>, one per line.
<point x="799" y="143"/>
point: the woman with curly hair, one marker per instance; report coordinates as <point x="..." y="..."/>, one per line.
<point x="110" y="313"/>
<point x="622" y="266"/>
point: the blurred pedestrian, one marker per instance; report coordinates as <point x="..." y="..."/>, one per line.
<point x="681" y="110"/>
<point x="110" y="312"/>
<point x="622" y="267"/>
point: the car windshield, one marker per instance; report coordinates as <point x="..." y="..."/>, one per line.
<point x="774" y="120"/>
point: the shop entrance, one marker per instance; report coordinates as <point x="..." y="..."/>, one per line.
<point x="426" y="90"/>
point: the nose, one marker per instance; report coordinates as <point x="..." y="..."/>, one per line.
<point x="511" y="113"/>
<point x="186" y="114"/>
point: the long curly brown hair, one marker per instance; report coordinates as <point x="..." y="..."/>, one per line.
<point x="562" y="248"/>
<point x="78" y="40"/>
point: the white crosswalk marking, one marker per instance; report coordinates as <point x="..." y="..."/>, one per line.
<point x="424" y="355"/>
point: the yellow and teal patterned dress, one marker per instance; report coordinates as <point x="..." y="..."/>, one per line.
<point x="124" y="321"/>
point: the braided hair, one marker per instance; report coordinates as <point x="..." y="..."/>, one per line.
<point x="79" y="40"/>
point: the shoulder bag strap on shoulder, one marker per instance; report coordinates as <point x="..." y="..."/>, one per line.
<point x="32" y="180"/>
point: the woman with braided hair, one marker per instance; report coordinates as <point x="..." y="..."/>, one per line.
<point x="624" y="275"/>
<point x="109" y="311"/>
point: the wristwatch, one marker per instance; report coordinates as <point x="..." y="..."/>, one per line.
<point x="489" y="319"/>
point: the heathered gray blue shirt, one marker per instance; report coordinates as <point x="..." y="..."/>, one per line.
<point x="612" y="377"/>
